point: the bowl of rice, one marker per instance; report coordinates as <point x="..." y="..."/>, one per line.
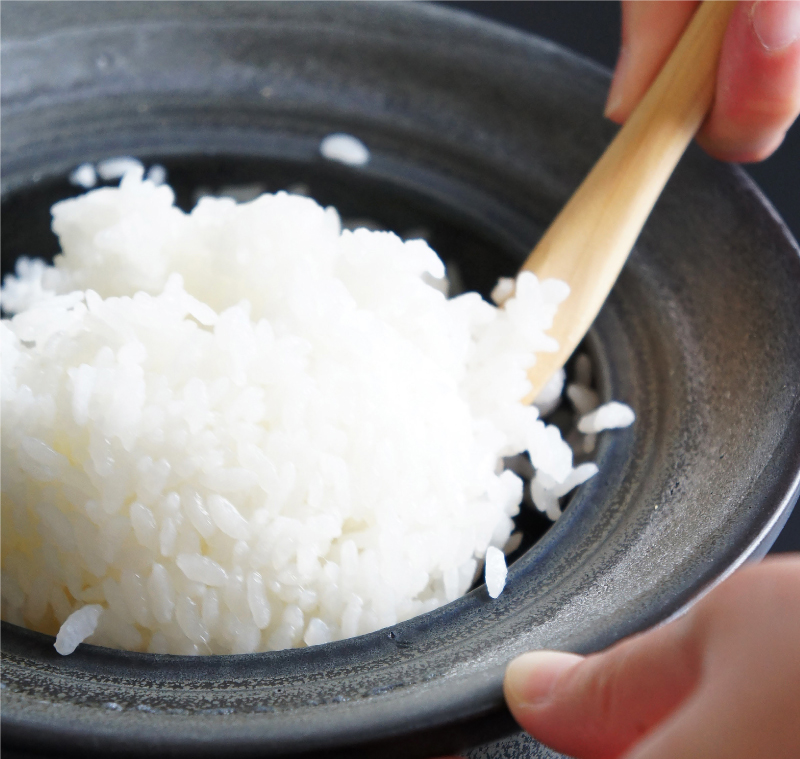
<point x="267" y="485"/>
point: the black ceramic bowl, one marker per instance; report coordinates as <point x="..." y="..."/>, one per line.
<point x="480" y="134"/>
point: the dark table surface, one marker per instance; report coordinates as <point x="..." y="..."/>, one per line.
<point x="593" y="30"/>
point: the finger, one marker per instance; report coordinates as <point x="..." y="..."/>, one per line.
<point x="649" y="33"/>
<point x="738" y="716"/>
<point x="749" y="700"/>
<point x="711" y="726"/>
<point x="702" y="728"/>
<point x="758" y="82"/>
<point x="598" y="707"/>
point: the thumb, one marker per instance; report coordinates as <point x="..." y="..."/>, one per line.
<point x="599" y="706"/>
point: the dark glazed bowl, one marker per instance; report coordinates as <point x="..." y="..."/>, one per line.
<point x="480" y="133"/>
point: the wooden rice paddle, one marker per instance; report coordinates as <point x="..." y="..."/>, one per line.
<point x="589" y="241"/>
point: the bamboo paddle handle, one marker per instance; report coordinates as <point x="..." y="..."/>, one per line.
<point x="590" y="239"/>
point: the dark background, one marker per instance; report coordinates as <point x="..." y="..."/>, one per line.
<point x="593" y="30"/>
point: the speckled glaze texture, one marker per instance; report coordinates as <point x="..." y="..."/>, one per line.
<point x="493" y="129"/>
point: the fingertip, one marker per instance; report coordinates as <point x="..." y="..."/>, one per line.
<point x="603" y="704"/>
<point x="758" y="82"/>
<point x="741" y="151"/>
<point x="615" y="102"/>
<point x="776" y="25"/>
<point x="649" y="33"/>
<point x="530" y="678"/>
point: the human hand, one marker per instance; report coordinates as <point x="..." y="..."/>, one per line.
<point x="757" y="96"/>
<point x="720" y="682"/>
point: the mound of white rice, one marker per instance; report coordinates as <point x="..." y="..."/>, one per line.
<point x="244" y="429"/>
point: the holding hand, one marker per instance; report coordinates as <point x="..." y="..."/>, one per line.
<point x="758" y="81"/>
<point x="720" y="682"/>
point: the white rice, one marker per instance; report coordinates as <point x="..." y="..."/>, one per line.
<point x="344" y="148"/>
<point x="495" y="571"/>
<point x="503" y="290"/>
<point x="609" y="416"/>
<point x="77" y="627"/>
<point x="584" y="399"/>
<point x="245" y="429"/>
<point x="84" y="176"/>
<point x="157" y="174"/>
<point x="116" y="168"/>
<point x="549" y="398"/>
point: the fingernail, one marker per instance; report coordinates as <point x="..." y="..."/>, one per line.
<point x="616" y="91"/>
<point x="530" y="678"/>
<point x="776" y="23"/>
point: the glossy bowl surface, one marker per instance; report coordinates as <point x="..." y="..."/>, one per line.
<point x="481" y="133"/>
